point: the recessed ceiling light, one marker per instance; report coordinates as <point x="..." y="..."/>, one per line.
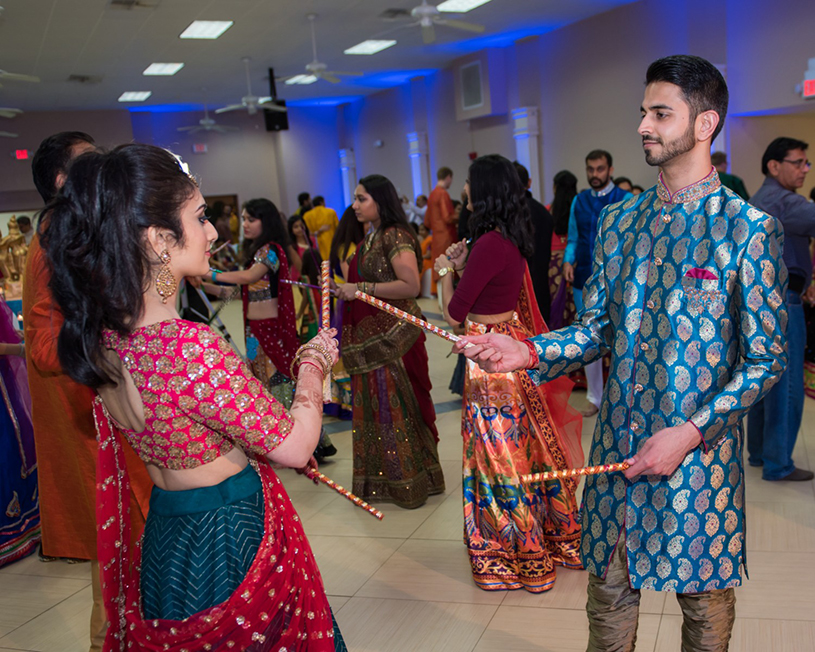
<point x="460" y="6"/>
<point x="370" y="47"/>
<point x="301" y="80"/>
<point x="135" y="96"/>
<point x="163" y="68"/>
<point x="206" y="29"/>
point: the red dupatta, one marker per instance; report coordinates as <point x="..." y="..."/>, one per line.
<point x="276" y="606"/>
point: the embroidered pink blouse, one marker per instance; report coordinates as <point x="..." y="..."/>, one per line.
<point x="200" y="399"/>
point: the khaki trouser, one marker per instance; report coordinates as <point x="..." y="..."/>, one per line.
<point x="613" y="609"/>
<point x="99" y="624"/>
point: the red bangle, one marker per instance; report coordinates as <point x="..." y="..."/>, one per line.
<point x="313" y="364"/>
<point x="533" y="356"/>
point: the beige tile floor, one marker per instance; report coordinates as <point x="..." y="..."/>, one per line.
<point x="404" y="584"/>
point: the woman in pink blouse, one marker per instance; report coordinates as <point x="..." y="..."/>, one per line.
<point x="223" y="562"/>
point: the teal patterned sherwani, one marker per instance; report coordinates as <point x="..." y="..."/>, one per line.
<point x="687" y="294"/>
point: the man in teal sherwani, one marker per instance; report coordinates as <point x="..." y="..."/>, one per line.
<point x="687" y="294"/>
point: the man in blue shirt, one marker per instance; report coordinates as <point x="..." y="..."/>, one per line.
<point x="577" y="259"/>
<point x="773" y="423"/>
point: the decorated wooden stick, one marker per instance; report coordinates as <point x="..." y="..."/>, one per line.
<point x="301" y="284"/>
<point x="316" y="475"/>
<point x="570" y="473"/>
<point x="421" y="323"/>
<point x="219" y="248"/>
<point x="325" y="268"/>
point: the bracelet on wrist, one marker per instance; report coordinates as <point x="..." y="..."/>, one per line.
<point x="533" y="361"/>
<point x="215" y="273"/>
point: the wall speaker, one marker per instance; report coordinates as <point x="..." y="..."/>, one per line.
<point x="276" y="120"/>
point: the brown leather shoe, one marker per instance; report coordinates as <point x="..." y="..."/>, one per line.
<point x="590" y="411"/>
<point x="796" y="475"/>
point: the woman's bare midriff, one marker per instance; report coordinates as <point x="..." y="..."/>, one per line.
<point x="491" y="319"/>
<point x="206" y="475"/>
<point x="262" y="309"/>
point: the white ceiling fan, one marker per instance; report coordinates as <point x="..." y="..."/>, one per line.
<point x="318" y="69"/>
<point x="205" y="124"/>
<point x="13" y="76"/>
<point x="252" y="102"/>
<point x="428" y="16"/>
<point x="6" y="112"/>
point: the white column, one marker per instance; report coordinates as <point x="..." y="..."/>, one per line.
<point x="525" y="131"/>
<point x="419" y="164"/>
<point x="348" y="167"/>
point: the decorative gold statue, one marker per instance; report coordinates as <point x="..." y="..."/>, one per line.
<point x="13" y="252"/>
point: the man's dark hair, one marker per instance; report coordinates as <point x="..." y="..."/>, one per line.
<point x="52" y="157"/>
<point x="443" y="173"/>
<point x="302" y="198"/>
<point x="812" y="194"/>
<point x="637" y="187"/>
<point x="619" y="180"/>
<point x="595" y="154"/>
<point x="319" y="200"/>
<point x="718" y="158"/>
<point x="778" y="150"/>
<point x="23" y="220"/>
<point x="702" y="85"/>
<point x="523" y="173"/>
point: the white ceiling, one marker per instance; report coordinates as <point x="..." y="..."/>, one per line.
<point x="57" y="38"/>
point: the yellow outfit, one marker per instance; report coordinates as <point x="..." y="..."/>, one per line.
<point x="320" y="216"/>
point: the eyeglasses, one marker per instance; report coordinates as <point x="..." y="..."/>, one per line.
<point x="798" y="163"/>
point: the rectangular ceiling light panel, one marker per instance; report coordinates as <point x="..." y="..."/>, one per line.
<point x="163" y="68"/>
<point x="370" y="47"/>
<point x="460" y="6"/>
<point x="301" y="80"/>
<point x="206" y="29"/>
<point x="135" y="96"/>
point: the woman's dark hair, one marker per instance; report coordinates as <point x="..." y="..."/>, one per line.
<point x="94" y="238"/>
<point x="52" y="157"/>
<point x="387" y="201"/>
<point x="273" y="229"/>
<point x="565" y="192"/>
<point x="349" y="232"/>
<point x="312" y="258"/>
<point x="702" y="85"/>
<point x="499" y="202"/>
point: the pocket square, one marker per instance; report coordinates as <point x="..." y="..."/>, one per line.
<point x="698" y="272"/>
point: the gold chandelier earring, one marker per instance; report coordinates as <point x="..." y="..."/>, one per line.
<point x="166" y="285"/>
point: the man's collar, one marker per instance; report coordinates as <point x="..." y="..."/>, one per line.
<point x="603" y="191"/>
<point x="693" y="192"/>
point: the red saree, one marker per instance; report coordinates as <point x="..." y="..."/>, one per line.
<point x="274" y="608"/>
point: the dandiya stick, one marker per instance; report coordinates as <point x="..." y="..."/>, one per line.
<point x="421" y="323"/>
<point x="571" y="473"/>
<point x="219" y="248"/>
<point x="300" y="284"/>
<point x="316" y="475"/>
<point x="325" y="308"/>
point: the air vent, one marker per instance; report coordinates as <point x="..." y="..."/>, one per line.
<point x="85" y="79"/>
<point x="394" y="14"/>
<point x="134" y="4"/>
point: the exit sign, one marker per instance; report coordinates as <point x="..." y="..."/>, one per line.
<point x="21" y="154"/>
<point x="809" y="88"/>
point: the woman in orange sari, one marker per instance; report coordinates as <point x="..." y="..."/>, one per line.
<point x="515" y="534"/>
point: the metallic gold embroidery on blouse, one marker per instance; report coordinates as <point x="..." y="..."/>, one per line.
<point x="199" y="398"/>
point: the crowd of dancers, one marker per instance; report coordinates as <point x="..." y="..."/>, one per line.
<point x="198" y="546"/>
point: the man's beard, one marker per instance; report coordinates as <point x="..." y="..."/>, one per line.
<point x="597" y="183"/>
<point x="685" y="143"/>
